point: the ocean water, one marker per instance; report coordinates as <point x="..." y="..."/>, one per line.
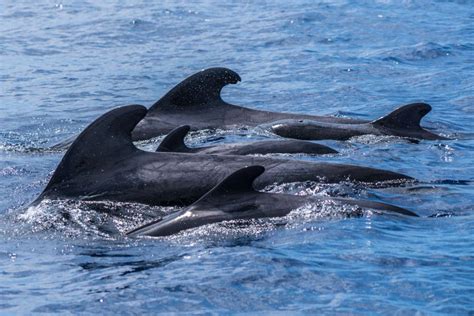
<point x="62" y="64"/>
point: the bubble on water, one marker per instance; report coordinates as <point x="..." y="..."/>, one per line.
<point x="312" y="188"/>
<point x="370" y="139"/>
<point x="447" y="152"/>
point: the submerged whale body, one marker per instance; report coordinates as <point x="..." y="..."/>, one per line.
<point x="235" y="198"/>
<point x="197" y="101"/>
<point x="403" y="122"/>
<point x="174" y="142"/>
<point x="104" y="164"/>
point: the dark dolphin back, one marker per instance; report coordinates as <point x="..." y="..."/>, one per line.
<point x="201" y="88"/>
<point x="405" y="121"/>
<point x="106" y="138"/>
<point x="240" y="181"/>
<point x="174" y="141"/>
<point x="407" y="117"/>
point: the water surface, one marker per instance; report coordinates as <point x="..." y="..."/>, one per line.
<point x="64" y="64"/>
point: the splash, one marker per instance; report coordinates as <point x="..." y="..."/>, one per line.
<point x="73" y="218"/>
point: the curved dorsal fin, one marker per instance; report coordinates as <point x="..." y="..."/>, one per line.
<point x="201" y="88"/>
<point x="240" y="181"/>
<point x="108" y="137"/>
<point x="406" y="117"/>
<point x="174" y="141"/>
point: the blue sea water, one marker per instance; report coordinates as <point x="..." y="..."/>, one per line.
<point x="62" y="64"/>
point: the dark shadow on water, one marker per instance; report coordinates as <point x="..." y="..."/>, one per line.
<point x="131" y="265"/>
<point x="453" y="182"/>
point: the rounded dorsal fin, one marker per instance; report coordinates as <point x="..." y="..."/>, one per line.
<point x="174" y="141"/>
<point x="107" y="138"/>
<point x="240" y="181"/>
<point x="201" y="88"/>
<point x="406" y="117"/>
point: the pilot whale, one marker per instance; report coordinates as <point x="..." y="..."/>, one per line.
<point x="403" y="122"/>
<point x="104" y="164"/>
<point x="197" y="101"/>
<point x="174" y="142"/>
<point x="235" y="198"/>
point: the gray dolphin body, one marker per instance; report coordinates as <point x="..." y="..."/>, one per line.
<point x="403" y="122"/>
<point x="235" y="198"/>
<point x="174" y="142"/>
<point x="104" y="164"/>
<point x="197" y="101"/>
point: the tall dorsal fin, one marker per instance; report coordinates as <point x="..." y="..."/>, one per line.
<point x="201" y="88"/>
<point x="108" y="137"/>
<point x="174" y="141"/>
<point x="406" y="117"/>
<point x="240" y="181"/>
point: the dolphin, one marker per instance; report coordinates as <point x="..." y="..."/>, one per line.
<point x="235" y="198"/>
<point x="174" y="142"/>
<point x="403" y="122"/>
<point x="197" y="101"/>
<point x="104" y="164"/>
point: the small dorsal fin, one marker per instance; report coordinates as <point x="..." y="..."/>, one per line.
<point x="240" y="181"/>
<point x="174" y="141"/>
<point x="406" y="117"/>
<point x="201" y="88"/>
<point x="108" y="137"/>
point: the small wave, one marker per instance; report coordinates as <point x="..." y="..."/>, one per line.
<point x="312" y="188"/>
<point x="12" y="171"/>
<point x="74" y="218"/>
<point x="24" y="148"/>
<point x="453" y="182"/>
<point x="442" y="214"/>
<point x="32" y="142"/>
<point x="228" y="135"/>
<point x="323" y="210"/>
<point x="418" y="52"/>
<point x="299" y="156"/>
<point x="370" y="139"/>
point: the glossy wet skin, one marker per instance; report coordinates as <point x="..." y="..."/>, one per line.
<point x="196" y="101"/>
<point x="234" y="198"/>
<point x="103" y="164"/>
<point x="180" y="178"/>
<point x="312" y="130"/>
<point x="403" y="122"/>
<point x="174" y="142"/>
